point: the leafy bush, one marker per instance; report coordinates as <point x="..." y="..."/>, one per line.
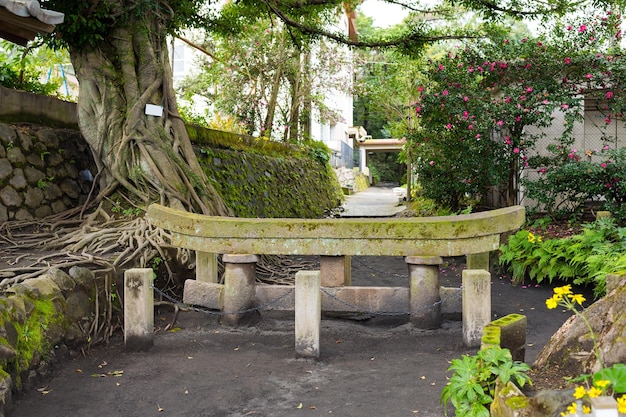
<point x="583" y="259"/>
<point x="471" y="387"/>
<point x="571" y="181"/>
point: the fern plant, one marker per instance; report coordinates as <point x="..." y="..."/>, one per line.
<point x="582" y="259"/>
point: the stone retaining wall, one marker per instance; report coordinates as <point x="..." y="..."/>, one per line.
<point x="40" y="319"/>
<point x="43" y="171"/>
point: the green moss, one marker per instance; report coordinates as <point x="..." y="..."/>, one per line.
<point x="31" y="341"/>
<point x="517" y="402"/>
<point x="256" y="185"/>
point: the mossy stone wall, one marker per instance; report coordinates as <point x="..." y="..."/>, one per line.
<point x="255" y="185"/>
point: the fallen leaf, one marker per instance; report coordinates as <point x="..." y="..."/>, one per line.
<point x="372" y="358"/>
<point x="103" y="364"/>
<point x="45" y="390"/>
<point x="338" y="341"/>
<point x="312" y="407"/>
<point x="422" y="377"/>
<point x="237" y="348"/>
<point x="160" y="408"/>
<point x="299" y="406"/>
<point x="78" y="371"/>
<point x="186" y="392"/>
<point x="189" y="357"/>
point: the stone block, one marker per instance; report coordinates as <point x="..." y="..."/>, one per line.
<point x="138" y="309"/>
<point x="476" y="305"/>
<point x="335" y="270"/>
<point x="204" y="294"/>
<point x="308" y="314"/>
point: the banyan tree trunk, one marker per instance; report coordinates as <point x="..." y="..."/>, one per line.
<point x="150" y="157"/>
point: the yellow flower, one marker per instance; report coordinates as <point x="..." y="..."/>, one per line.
<point x="564" y="290"/>
<point x="602" y="383"/>
<point x="594" y="392"/>
<point x="539" y="239"/>
<point x="579" y="392"/>
<point x="551" y="303"/>
<point x="586" y="409"/>
<point x="571" y="409"/>
<point x="621" y="404"/>
<point x="531" y="237"/>
<point x="578" y="298"/>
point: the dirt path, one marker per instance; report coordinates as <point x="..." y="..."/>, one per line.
<point x="381" y="367"/>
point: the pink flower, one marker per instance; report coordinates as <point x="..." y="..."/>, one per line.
<point x="441" y="67"/>
<point x="418" y="109"/>
<point x="470" y="127"/>
<point x="507" y="140"/>
<point x="508" y="99"/>
<point x="564" y="106"/>
<point x="603" y="164"/>
<point x="529" y="90"/>
<point x="499" y="122"/>
<point x="518" y="118"/>
<point x="420" y="88"/>
<point x="582" y="28"/>
<point x="478" y="136"/>
<point x="444" y="92"/>
<point x="589" y="76"/>
<point x="466" y="98"/>
<point x="608" y="120"/>
<point x="432" y="163"/>
<point x="465" y="114"/>
<point x="609" y="94"/>
<point x="569" y="27"/>
<point x="543" y="170"/>
<point x="515" y="150"/>
<point x="448" y="126"/>
<point x="606" y="147"/>
<point x="567" y="60"/>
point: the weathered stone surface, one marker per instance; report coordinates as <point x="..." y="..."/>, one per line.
<point x="10" y="197"/>
<point x="58" y="206"/>
<point x="70" y="188"/>
<point x="52" y="191"/>
<point x="205" y="294"/>
<point x="48" y="137"/>
<point x="33" y="197"/>
<point x="83" y="277"/>
<point x="6" y="169"/>
<point x="22" y="214"/>
<point x="4" y="213"/>
<point x="18" y="181"/>
<point x="25" y="141"/>
<point x="43" y="211"/>
<point x="15" y="156"/>
<point x="35" y="161"/>
<point x="33" y="175"/>
<point x="7" y="134"/>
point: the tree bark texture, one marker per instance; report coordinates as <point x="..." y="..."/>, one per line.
<point x="151" y="157"/>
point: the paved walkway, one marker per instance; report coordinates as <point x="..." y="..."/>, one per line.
<point x="378" y="201"/>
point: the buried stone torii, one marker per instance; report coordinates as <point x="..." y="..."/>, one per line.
<point x="422" y="241"/>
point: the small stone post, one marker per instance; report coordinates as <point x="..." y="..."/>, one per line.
<point x="239" y="278"/>
<point x="336" y="270"/>
<point x="476" y="305"/>
<point x="206" y="267"/>
<point x="138" y="309"/>
<point x="424" y="296"/>
<point x="308" y="314"/>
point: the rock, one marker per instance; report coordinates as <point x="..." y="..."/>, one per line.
<point x="572" y="345"/>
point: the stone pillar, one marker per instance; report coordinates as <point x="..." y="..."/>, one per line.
<point x="239" y="278"/>
<point x="206" y="267"/>
<point x="478" y="261"/>
<point x="424" y="295"/>
<point x="335" y="270"/>
<point x="138" y="309"/>
<point x="476" y="305"/>
<point x="308" y="314"/>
